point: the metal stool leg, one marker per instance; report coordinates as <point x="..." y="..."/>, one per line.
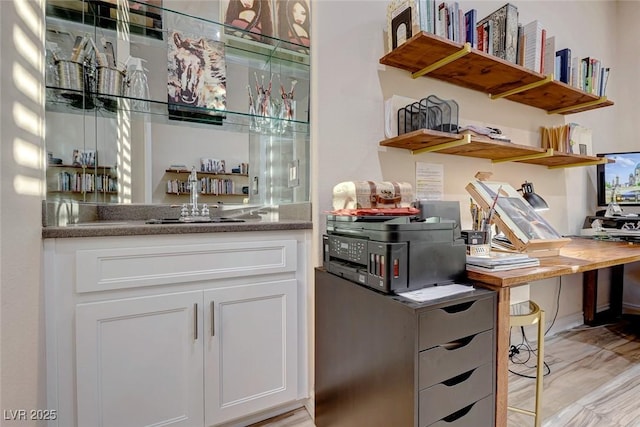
<point x="536" y="316"/>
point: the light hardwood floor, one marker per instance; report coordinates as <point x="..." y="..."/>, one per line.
<point x="594" y="381"/>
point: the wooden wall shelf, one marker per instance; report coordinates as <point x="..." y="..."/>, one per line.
<point x="426" y="140"/>
<point x="442" y="59"/>
<point x="185" y="171"/>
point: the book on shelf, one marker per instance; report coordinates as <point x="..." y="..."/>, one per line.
<point x="533" y="45"/>
<point x="520" y="46"/>
<point x="563" y="65"/>
<point x="542" y="50"/>
<point x="502" y="32"/>
<point x="470" y="21"/>
<point x="585" y="74"/>
<point x="549" y="65"/>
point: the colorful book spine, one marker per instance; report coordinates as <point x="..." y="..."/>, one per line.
<point x="470" y="19"/>
<point x="503" y="24"/>
<point x="564" y="65"/>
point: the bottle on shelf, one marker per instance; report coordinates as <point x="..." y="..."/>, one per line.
<point x="137" y="85"/>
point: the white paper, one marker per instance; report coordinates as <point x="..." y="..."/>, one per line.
<point x="436" y="292"/>
<point x="429" y="181"/>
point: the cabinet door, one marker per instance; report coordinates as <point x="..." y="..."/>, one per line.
<point x="251" y="349"/>
<point x="139" y="361"/>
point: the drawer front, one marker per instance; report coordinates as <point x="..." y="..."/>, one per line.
<point x="450" y="323"/>
<point x="121" y="268"/>
<point x="446" y="361"/>
<point x="441" y="400"/>
<point x="477" y="414"/>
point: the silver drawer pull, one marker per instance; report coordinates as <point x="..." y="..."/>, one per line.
<point x="213" y="319"/>
<point x="195" y="321"/>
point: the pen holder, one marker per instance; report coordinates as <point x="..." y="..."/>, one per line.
<point x="475" y="237"/>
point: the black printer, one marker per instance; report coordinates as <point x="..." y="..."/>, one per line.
<point x="395" y="254"/>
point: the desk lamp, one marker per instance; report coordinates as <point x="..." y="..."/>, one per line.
<point x="536" y="202"/>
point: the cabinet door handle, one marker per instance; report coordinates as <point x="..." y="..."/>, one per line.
<point x="213" y="319"/>
<point x="195" y="321"/>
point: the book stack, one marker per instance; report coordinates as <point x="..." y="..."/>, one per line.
<point x="500" y="261"/>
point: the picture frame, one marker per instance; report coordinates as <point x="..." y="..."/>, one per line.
<point x="293" y="23"/>
<point x="527" y="230"/>
<point x="249" y="19"/>
<point x="197" y="78"/>
<point x="84" y="158"/>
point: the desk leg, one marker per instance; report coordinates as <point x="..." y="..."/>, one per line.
<point x="502" y="356"/>
<point x="590" y="296"/>
<point x="502" y="351"/>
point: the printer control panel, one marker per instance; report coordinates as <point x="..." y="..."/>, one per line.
<point x="348" y="249"/>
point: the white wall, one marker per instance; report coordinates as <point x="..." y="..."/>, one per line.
<point x="21" y="133"/>
<point x="350" y="87"/>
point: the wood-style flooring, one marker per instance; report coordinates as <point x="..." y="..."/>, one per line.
<point x="594" y="381"/>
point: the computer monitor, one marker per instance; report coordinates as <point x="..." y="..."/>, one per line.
<point x="619" y="182"/>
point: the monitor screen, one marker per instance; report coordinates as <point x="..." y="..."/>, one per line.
<point x="619" y="182"/>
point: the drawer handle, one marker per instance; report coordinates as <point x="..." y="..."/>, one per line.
<point x="458" y="414"/>
<point x="454" y="345"/>
<point x="195" y="321"/>
<point x="213" y="319"/>
<point x="458" y="379"/>
<point x="458" y="307"/>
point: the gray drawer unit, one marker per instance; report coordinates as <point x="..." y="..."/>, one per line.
<point x="469" y="416"/>
<point x="449" y="323"/>
<point x="443" y="399"/>
<point x="382" y="360"/>
<point x="451" y="359"/>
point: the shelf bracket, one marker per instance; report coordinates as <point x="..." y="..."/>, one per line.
<point x="444" y="61"/>
<point x="547" y="79"/>
<point x="598" y="101"/>
<point x="586" y="163"/>
<point x="466" y="139"/>
<point x="548" y="153"/>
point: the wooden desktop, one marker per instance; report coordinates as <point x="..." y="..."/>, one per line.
<point x="581" y="255"/>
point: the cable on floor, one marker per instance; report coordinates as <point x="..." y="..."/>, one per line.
<point x="520" y="354"/>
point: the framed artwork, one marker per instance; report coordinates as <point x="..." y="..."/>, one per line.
<point x="526" y="229"/>
<point x="293" y="23"/>
<point x="197" y="79"/>
<point x="248" y="19"/>
<point x="83" y="158"/>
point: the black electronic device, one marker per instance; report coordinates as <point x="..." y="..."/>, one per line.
<point x="619" y="182"/>
<point x="394" y="254"/>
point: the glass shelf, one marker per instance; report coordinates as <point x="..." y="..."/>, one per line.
<point x="74" y="102"/>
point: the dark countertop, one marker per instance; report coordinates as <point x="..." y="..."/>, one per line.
<point x="137" y="228"/>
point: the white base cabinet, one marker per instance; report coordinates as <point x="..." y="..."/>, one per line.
<point x="134" y="342"/>
<point x="250" y="354"/>
<point x="139" y="361"/>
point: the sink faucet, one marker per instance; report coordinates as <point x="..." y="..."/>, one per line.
<point x="193" y="185"/>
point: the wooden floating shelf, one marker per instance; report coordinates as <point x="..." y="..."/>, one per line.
<point x="424" y="140"/>
<point x="179" y="171"/>
<point x="455" y="63"/>
<point x="208" y="194"/>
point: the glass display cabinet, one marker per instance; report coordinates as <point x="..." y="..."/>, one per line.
<point x="140" y="92"/>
